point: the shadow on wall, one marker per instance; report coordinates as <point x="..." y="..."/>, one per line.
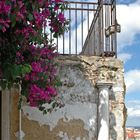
<point x="113" y="132"/>
<point x="112" y="118"/>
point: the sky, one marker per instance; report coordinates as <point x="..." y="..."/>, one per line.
<point x="128" y="16"/>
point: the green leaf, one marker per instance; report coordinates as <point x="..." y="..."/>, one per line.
<point x="26" y="68"/>
<point x="33" y="6"/>
<point x="55" y="35"/>
<point x="41" y="108"/>
<point x="23" y="92"/>
<point x="44" y="76"/>
<point x="41" y="84"/>
<point x="54" y="105"/>
<point x="58" y="83"/>
<point x="8" y="71"/>
<point x="13" y="19"/>
<point x="0" y="27"/>
<point x="30" y="17"/>
<point x="20" y="103"/>
<point x="16" y="71"/>
<point x="9" y="85"/>
<point x="3" y="84"/>
<point x="45" y="112"/>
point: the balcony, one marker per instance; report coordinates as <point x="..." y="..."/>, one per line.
<point x="92" y="30"/>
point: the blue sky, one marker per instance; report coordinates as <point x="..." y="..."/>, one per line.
<point x="128" y="15"/>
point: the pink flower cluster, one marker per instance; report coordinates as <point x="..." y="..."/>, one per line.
<point x="10" y="16"/>
<point x="37" y="94"/>
<point x="22" y="24"/>
<point x="42" y="76"/>
<point x="36" y="67"/>
<point x="19" y="58"/>
<point x="61" y="17"/>
<point x="4" y="10"/>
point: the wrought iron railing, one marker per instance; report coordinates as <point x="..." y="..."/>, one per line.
<point x="92" y="30"/>
<point x="102" y="38"/>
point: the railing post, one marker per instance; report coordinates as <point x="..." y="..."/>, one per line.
<point x="103" y="110"/>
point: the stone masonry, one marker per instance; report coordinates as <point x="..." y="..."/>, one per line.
<point x="78" y="119"/>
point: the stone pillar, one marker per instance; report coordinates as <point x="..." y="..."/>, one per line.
<point x="5" y="109"/>
<point x="103" y="111"/>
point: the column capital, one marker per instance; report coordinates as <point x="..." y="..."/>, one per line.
<point x="104" y="84"/>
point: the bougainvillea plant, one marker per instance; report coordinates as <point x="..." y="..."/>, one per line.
<point x="26" y="53"/>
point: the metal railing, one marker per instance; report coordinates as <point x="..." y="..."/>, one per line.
<point x="92" y="30"/>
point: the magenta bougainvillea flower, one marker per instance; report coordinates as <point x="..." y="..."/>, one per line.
<point x="61" y="17"/>
<point x="36" y="67"/>
<point x="27" y="54"/>
<point x="4" y="8"/>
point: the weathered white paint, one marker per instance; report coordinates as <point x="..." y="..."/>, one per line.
<point x="118" y="88"/>
<point x="64" y="136"/>
<point x="76" y="88"/>
<point x="20" y="134"/>
<point x="80" y="99"/>
<point x="78" y="138"/>
<point x="87" y="112"/>
<point x="103" y="111"/>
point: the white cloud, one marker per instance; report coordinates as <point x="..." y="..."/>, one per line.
<point x="133" y="108"/>
<point x="133" y="111"/>
<point x="128" y="17"/>
<point x="132" y="80"/>
<point x="124" y="57"/>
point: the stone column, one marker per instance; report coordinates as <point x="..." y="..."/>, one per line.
<point x="5" y="109"/>
<point x="103" y="111"/>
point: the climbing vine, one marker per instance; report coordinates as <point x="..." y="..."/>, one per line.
<point x="27" y="53"/>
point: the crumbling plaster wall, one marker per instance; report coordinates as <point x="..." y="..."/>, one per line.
<point x="77" y="120"/>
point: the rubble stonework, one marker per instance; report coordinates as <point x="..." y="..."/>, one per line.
<point x="77" y="120"/>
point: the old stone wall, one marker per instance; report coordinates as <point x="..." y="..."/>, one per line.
<point x="78" y="119"/>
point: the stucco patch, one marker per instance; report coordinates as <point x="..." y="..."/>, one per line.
<point x="84" y="111"/>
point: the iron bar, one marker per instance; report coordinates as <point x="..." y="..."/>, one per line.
<point x="102" y="30"/>
<point x="63" y="41"/>
<point x="78" y="2"/>
<point x="82" y="24"/>
<point x="115" y="18"/>
<point x="88" y="26"/>
<point x="88" y="17"/>
<point x="57" y="44"/>
<point x="84" y="9"/>
<point x="112" y="36"/>
<point x="69" y="30"/>
<point x="76" y="29"/>
<point x="97" y="42"/>
<point x="57" y="39"/>
<point x="99" y="26"/>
